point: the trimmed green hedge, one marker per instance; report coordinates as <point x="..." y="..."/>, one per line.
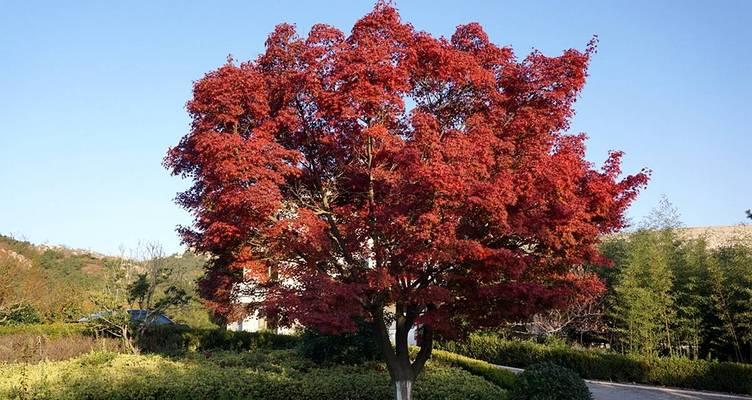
<point x="179" y="339"/>
<point x="229" y="340"/>
<point x="500" y="377"/>
<point x="275" y="375"/>
<point x="603" y="365"/>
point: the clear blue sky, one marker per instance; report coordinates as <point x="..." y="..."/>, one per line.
<point x="92" y="94"/>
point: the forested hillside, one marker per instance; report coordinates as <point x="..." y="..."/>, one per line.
<point x="41" y="283"/>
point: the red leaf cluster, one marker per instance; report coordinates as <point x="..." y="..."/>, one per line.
<point x="335" y="175"/>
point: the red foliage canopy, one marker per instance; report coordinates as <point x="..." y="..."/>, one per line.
<point x="336" y="175"/>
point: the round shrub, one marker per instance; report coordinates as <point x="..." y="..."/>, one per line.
<point x="547" y="381"/>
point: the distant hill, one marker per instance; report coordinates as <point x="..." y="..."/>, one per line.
<point x="715" y="236"/>
<point x="59" y="282"/>
<point x="719" y="236"/>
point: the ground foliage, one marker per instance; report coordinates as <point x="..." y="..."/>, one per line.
<point x="261" y="374"/>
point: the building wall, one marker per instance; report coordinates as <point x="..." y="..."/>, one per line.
<point x="253" y="323"/>
<point x="250" y="324"/>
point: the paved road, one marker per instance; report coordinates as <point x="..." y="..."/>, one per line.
<point x="621" y="391"/>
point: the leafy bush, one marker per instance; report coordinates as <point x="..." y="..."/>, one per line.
<point x="51" y="330"/>
<point x="500" y="377"/>
<point x="96" y="358"/>
<point x="548" y="381"/>
<point x="220" y="339"/>
<point x="169" y="339"/>
<point x="273" y="376"/>
<point x="348" y="348"/>
<point x="603" y="365"/>
<point x="21" y="314"/>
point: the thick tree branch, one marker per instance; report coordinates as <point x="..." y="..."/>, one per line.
<point x="381" y="334"/>
<point x="426" y="347"/>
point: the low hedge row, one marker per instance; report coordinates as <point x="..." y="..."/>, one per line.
<point x="603" y="365"/>
<point x="178" y="339"/>
<point x="174" y="339"/>
<point x="500" y="377"/>
<point x="124" y="377"/>
<point x="205" y="338"/>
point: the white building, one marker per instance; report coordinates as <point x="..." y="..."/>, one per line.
<point x="254" y="323"/>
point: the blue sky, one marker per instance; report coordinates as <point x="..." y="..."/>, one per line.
<point x="92" y="94"/>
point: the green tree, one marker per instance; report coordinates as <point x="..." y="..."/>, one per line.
<point x="112" y="318"/>
<point x="153" y="290"/>
<point x="146" y="284"/>
<point x="673" y="295"/>
<point x="730" y="281"/>
<point x="643" y="300"/>
<point x="690" y="270"/>
<point x="644" y="305"/>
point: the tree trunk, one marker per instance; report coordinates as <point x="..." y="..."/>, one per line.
<point x="128" y="340"/>
<point x="668" y="337"/>
<point x="402" y="372"/>
<point x="404" y="390"/>
<point x="403" y="378"/>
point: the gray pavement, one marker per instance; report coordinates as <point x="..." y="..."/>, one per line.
<point x="620" y="391"/>
<point x="623" y="391"/>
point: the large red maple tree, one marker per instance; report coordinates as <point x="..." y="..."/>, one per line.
<point x="390" y="176"/>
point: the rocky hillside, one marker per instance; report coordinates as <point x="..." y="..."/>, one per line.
<point x="719" y="236"/>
